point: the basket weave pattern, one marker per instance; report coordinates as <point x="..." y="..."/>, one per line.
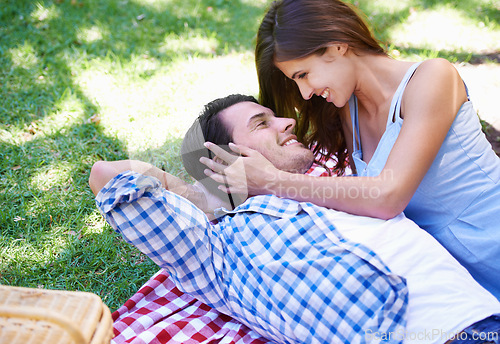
<point x="29" y="315"/>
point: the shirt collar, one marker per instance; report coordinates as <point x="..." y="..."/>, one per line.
<point x="265" y="204"/>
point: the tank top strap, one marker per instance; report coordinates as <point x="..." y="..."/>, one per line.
<point x="353" y="109"/>
<point x="395" y="108"/>
<point x="466" y="90"/>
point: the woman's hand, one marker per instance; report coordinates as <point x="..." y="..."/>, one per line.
<point x="249" y="172"/>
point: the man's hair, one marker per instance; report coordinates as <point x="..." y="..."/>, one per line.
<point x="209" y="127"/>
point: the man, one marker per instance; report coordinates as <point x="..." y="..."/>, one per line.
<point x="293" y="272"/>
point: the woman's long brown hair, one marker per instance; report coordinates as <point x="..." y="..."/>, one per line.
<point x="293" y="29"/>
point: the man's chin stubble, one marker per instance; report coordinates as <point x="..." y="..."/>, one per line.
<point x="301" y="167"/>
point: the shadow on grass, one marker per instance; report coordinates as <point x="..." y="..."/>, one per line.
<point x="45" y="179"/>
<point x="40" y="42"/>
<point x="48" y="237"/>
<point x="48" y="220"/>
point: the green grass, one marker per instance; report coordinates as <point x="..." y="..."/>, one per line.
<point x="82" y="81"/>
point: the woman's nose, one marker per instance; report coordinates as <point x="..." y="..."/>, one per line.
<point x="306" y="91"/>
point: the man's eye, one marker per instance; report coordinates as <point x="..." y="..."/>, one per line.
<point x="261" y="124"/>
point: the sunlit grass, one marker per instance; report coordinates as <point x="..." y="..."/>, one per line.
<point x="188" y="44"/>
<point x="146" y="112"/>
<point x="90" y="35"/>
<point x="24" y="56"/>
<point x="52" y="177"/>
<point x="45" y="12"/>
<point x="446" y="29"/>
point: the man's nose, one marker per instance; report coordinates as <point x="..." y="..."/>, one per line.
<point x="286" y="124"/>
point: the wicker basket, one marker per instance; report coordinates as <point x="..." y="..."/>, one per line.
<point x="29" y="315"/>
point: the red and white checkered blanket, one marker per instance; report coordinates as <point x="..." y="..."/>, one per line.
<point x="161" y="313"/>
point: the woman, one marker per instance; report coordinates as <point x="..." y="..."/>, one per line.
<point x="412" y="135"/>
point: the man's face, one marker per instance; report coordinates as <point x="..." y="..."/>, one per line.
<point x="256" y="127"/>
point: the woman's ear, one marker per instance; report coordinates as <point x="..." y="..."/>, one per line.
<point x="337" y="49"/>
<point x="342" y="48"/>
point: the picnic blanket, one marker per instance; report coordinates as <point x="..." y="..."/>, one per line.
<point x="161" y="313"/>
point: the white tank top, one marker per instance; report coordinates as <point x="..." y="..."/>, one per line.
<point x="443" y="297"/>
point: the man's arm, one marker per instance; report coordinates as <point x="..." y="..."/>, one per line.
<point x="103" y="171"/>
<point x="169" y="229"/>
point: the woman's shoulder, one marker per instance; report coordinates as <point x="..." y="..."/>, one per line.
<point x="435" y="75"/>
<point x="438" y="62"/>
<point x="436" y="68"/>
<point x="436" y="86"/>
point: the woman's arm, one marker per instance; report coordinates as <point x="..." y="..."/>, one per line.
<point x="430" y="103"/>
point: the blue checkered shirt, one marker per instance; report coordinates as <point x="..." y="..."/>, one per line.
<point x="276" y="265"/>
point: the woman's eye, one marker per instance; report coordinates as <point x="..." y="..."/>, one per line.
<point x="302" y="76"/>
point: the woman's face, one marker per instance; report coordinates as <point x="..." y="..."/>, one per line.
<point x="329" y="75"/>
